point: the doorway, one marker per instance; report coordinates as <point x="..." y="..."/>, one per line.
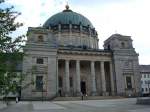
<point x="83" y="87"/>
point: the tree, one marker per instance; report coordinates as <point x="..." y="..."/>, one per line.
<point x="10" y="50"/>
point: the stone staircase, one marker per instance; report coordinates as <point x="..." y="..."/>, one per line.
<point x="86" y="98"/>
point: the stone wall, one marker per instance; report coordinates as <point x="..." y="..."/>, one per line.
<point x="126" y="64"/>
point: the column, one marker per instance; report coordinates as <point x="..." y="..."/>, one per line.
<point x="78" y="87"/>
<point x="93" y="83"/>
<point x="103" y="78"/>
<point x="57" y="76"/>
<point x="67" y="81"/>
<point x="112" y="80"/>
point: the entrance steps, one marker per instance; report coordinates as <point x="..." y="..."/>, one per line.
<point x="86" y="98"/>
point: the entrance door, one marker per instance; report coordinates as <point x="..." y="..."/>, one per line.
<point x="83" y="87"/>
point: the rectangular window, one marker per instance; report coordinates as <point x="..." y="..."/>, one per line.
<point x="146" y="89"/>
<point x="39" y="83"/>
<point x="39" y="61"/>
<point x="128" y="82"/>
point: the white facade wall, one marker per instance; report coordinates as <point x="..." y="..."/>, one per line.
<point x="145" y="83"/>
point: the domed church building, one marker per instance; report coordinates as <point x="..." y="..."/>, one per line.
<point x="62" y="58"/>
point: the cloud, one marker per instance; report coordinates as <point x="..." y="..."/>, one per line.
<point x="126" y="17"/>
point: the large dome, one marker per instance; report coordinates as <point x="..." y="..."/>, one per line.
<point x="72" y="29"/>
<point x="66" y="17"/>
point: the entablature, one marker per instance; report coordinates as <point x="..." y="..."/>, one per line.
<point x="85" y="55"/>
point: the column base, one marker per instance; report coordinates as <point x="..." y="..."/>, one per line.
<point x="105" y="94"/>
<point x="78" y="94"/>
<point x="66" y="94"/>
<point x="112" y="93"/>
<point x="94" y="93"/>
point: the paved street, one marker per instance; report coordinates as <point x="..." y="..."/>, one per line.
<point x="118" y="105"/>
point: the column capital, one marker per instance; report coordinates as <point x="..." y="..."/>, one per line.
<point x="67" y="59"/>
<point x="102" y="61"/>
<point x="78" y="60"/>
<point x="110" y="62"/>
<point x="93" y="61"/>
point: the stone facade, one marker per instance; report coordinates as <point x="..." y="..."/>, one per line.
<point x="64" y="60"/>
<point x="126" y="63"/>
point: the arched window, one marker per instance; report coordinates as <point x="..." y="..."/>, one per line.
<point x="40" y="38"/>
<point x="122" y="44"/>
<point x="108" y="47"/>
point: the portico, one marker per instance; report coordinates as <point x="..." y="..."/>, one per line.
<point x="85" y="72"/>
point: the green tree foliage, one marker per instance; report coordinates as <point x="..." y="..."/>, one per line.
<point x="10" y="49"/>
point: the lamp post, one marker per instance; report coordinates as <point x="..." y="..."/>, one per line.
<point x="41" y="83"/>
<point x="5" y="88"/>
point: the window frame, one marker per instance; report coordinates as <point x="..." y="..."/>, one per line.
<point x="127" y="83"/>
<point x="39" y="61"/>
<point x="40" y="38"/>
<point x="37" y="83"/>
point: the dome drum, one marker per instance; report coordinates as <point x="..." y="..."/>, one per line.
<point x="74" y="29"/>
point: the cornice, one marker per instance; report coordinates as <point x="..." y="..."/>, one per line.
<point x="83" y="52"/>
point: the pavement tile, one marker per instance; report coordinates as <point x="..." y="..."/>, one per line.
<point x="46" y="106"/>
<point x="2" y="105"/>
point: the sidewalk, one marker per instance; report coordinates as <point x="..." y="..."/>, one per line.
<point x="38" y="105"/>
<point x="87" y="98"/>
<point x="2" y="105"/>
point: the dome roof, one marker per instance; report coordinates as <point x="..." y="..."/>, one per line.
<point x="66" y="17"/>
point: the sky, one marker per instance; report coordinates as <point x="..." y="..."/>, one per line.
<point x="126" y="17"/>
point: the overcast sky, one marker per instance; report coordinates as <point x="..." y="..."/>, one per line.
<point x="127" y="17"/>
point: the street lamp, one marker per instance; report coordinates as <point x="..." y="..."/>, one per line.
<point x="5" y="88"/>
<point x="41" y="83"/>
